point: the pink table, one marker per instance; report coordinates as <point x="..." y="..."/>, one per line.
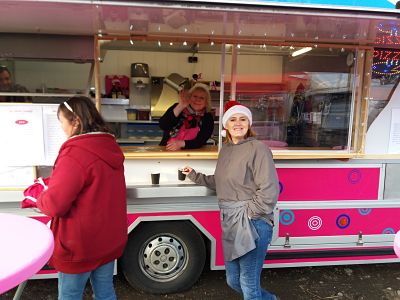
<point x="26" y="246"/>
<point x="396" y="244"/>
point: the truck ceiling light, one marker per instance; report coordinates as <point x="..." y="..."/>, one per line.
<point x="301" y="51"/>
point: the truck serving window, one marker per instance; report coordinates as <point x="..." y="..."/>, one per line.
<point x="42" y="68"/>
<point x="300" y="97"/>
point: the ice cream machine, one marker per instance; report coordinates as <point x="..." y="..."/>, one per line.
<point x="139" y="86"/>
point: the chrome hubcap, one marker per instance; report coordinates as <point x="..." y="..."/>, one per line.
<point x="163" y="258"/>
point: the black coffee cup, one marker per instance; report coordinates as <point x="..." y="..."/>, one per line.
<point x="155" y="178"/>
<point x="181" y="176"/>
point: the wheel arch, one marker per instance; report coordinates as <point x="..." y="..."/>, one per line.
<point x="208" y="238"/>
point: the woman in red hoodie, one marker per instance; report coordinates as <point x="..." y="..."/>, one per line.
<point x="86" y="199"/>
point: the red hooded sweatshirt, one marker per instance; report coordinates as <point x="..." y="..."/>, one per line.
<point x="86" y="198"/>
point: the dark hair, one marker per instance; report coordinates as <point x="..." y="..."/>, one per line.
<point x="4" y="68"/>
<point x="249" y="133"/>
<point x="83" y="108"/>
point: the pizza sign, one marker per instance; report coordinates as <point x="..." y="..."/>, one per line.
<point x="386" y="62"/>
<point x="386" y="54"/>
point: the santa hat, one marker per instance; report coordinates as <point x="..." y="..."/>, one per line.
<point x="233" y="107"/>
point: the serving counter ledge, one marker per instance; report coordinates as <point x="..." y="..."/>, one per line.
<point x="211" y="152"/>
<point x="151" y="152"/>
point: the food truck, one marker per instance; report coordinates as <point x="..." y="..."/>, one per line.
<point x="320" y="79"/>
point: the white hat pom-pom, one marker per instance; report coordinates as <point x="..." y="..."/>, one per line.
<point x="223" y="133"/>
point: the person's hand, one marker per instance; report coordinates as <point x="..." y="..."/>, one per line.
<point x="186" y="170"/>
<point x="183" y="102"/>
<point x="184" y="98"/>
<point x="175" y="145"/>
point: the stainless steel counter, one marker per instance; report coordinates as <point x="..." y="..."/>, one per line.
<point x="168" y="191"/>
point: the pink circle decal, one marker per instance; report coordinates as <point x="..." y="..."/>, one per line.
<point x="354" y="176"/>
<point x="315" y="223"/>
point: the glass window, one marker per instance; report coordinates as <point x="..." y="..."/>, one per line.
<point x="44" y="67"/>
<point x="385" y="77"/>
<point x="300" y="97"/>
<point x="42" y="81"/>
<point x="149" y="75"/>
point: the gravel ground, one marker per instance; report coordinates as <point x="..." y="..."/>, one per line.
<point x="361" y="282"/>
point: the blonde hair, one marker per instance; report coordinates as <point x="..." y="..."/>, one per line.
<point x="249" y="133"/>
<point x="205" y="89"/>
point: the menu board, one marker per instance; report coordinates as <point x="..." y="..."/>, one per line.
<point x="53" y="135"/>
<point x="394" y="138"/>
<point x="30" y="134"/>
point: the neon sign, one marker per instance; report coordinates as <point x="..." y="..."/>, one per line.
<point x="385" y="54"/>
<point x="387" y="34"/>
<point x="387" y="40"/>
<point x="386" y="62"/>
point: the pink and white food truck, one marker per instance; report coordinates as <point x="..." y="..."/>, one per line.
<point x="322" y="84"/>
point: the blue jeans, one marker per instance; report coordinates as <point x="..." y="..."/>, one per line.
<point x="243" y="273"/>
<point x="71" y="286"/>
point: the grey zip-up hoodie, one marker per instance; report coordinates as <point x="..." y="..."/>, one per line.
<point x="247" y="187"/>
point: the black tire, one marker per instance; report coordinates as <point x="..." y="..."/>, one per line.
<point x="164" y="257"/>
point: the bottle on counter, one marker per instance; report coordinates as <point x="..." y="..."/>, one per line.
<point x="116" y="90"/>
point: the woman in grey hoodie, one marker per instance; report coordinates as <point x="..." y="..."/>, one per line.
<point x="247" y="188"/>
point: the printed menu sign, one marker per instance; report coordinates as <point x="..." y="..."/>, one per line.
<point x="30" y="134"/>
<point x="394" y="138"/>
<point x="54" y="136"/>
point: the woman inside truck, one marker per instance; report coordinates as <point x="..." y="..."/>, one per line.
<point x="7" y="85"/>
<point x="188" y="124"/>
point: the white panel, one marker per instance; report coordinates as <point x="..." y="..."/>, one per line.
<point x="13" y="177"/>
<point x="259" y="68"/>
<point x="377" y="138"/>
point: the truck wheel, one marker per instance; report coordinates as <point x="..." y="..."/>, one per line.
<point x="164" y="257"/>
